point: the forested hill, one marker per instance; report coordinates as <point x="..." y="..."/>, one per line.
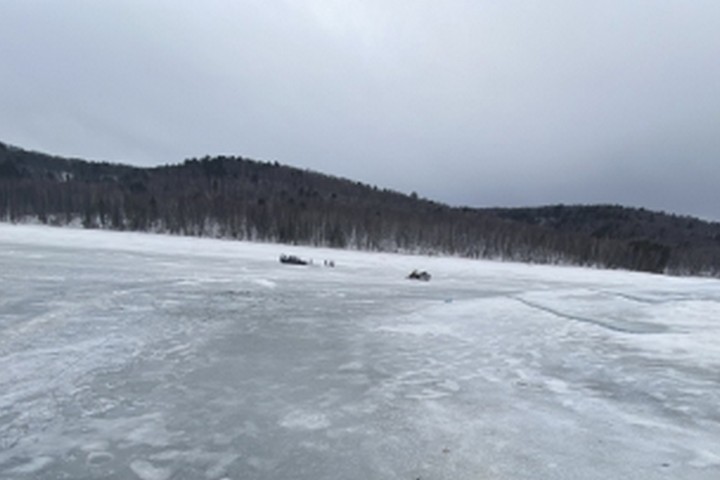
<point x="620" y="223"/>
<point x="233" y="197"/>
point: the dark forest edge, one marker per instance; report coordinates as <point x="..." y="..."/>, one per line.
<point x="234" y="197"/>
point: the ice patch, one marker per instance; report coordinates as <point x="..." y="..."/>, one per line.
<point x="221" y="466"/>
<point x="181" y="349"/>
<point x="149" y="432"/>
<point x="557" y="386"/>
<point x="315" y="446"/>
<point x="705" y="459"/>
<point x="427" y="394"/>
<point x="351" y="367"/>
<point x="301" y="420"/>
<point x="95" y="446"/>
<point x="263" y="282"/>
<point x="449" y="385"/>
<point x="147" y="471"/>
<point x="33" y="466"/>
<point x="434" y="390"/>
<point x="430" y="329"/>
<point x="98" y="458"/>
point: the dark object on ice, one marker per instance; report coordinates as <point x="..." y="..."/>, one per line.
<point x="329" y="263"/>
<point x="424" y="276"/>
<point x="292" y="260"/>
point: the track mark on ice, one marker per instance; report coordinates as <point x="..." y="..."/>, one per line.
<point x="614" y="325"/>
<point x="633" y="298"/>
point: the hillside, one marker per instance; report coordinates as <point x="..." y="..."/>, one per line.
<point x="234" y="197"/>
<point x="621" y="223"/>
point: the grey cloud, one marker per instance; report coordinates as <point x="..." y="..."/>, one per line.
<point x="469" y="102"/>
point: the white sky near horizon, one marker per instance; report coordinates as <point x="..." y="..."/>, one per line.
<point x="468" y="102"/>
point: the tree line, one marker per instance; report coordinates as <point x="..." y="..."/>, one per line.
<point x="234" y="197"/>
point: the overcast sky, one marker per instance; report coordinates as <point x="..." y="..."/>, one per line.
<point x="473" y="102"/>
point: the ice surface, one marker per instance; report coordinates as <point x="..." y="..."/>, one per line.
<point x="154" y="357"/>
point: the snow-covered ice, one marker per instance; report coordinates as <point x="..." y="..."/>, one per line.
<point x="134" y="356"/>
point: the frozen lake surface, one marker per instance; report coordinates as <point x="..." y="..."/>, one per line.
<point x="132" y="356"/>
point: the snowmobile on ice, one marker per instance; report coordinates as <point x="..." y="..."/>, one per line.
<point x="422" y="276"/>
<point x="292" y="260"/>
